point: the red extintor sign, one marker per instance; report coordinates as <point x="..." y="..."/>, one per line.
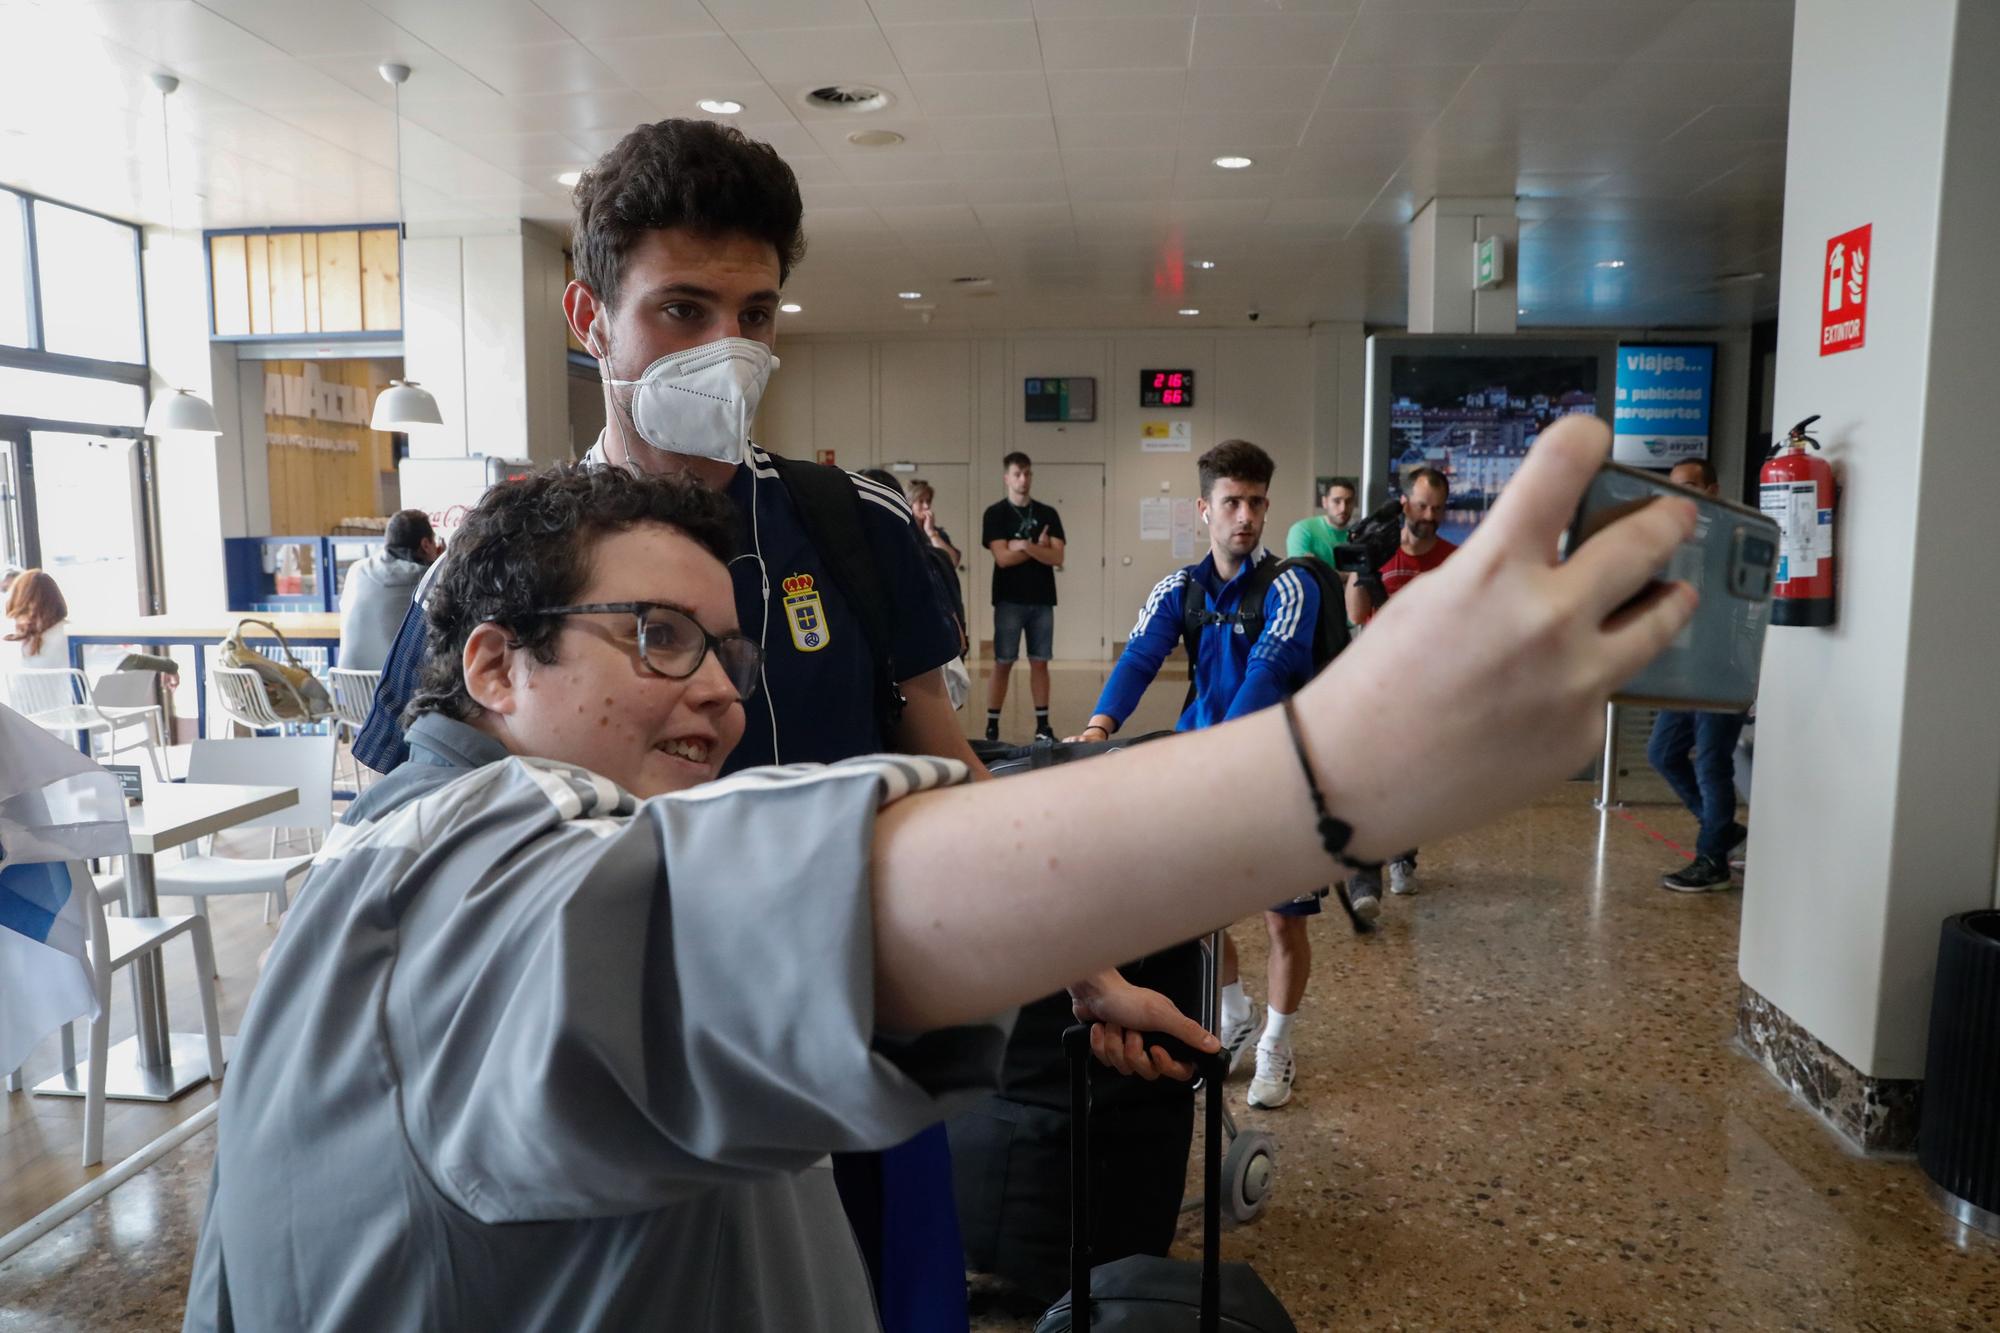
<point x="1843" y="316"/>
<point x="825" y="456"/>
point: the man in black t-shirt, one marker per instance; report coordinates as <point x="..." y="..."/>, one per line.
<point x="1026" y="539"/>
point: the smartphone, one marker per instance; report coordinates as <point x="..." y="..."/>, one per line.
<point x="1730" y="559"/>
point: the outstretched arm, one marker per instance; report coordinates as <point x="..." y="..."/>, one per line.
<point x="989" y="896"/>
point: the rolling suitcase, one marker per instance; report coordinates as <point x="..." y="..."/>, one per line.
<point x="1143" y="1293"/>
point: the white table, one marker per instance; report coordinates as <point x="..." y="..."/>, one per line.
<point x="157" y="1064"/>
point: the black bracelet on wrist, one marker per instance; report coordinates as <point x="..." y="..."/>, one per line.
<point x="1334" y="834"/>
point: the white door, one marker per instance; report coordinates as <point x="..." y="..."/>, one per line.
<point x="1076" y="490"/>
<point x="953" y="502"/>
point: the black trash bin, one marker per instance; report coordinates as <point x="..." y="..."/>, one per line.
<point x="1958" y="1136"/>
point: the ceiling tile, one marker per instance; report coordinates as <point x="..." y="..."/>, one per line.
<point x="442" y="23"/>
<point x="611" y="108"/>
<point x="930" y="219"/>
<point x="522" y="152"/>
<point x="965" y="48"/>
<point x="1738" y="123"/>
<point x="994" y="133"/>
<point x="1117" y="131"/>
<point x="949" y="11"/>
<point x="1725" y="32"/>
<point x="432" y="77"/>
<point x="1426" y="87"/>
<point x="793" y="142"/>
<point x="1362" y="125"/>
<point x="1141" y="43"/>
<point x="1026" y="164"/>
<point x="587" y="20"/>
<point x="1148" y="162"/>
<point x="1242" y="131"/>
<point x="551" y="67"/>
<point x="312" y="27"/>
<point x="818" y="55"/>
<point x="1099" y="189"/>
<point x="1580" y="36"/>
<point x="1016" y="93"/>
<point x="1024" y="215"/>
<point x="893" y="165"/>
<point x="652" y="62"/>
<point x="1398" y="38"/>
<point x="752" y="15"/>
<point x="1267" y="40"/>
<point x="1049" y="190"/>
<point x="761" y="106"/>
<point x="1113" y="91"/>
<point x="832" y="135"/>
<point x="883" y="195"/>
<point x="1280" y="88"/>
<point x="171" y="31"/>
<point x="274" y="85"/>
<point x="1497" y="88"/>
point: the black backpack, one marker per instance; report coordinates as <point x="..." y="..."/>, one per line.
<point x="1329" y="635"/>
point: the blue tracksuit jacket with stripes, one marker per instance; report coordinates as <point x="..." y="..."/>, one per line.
<point x="1236" y="675"/>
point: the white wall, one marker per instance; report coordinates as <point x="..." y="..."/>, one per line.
<point x="878" y="400"/>
<point x="198" y="478"/>
<point x="483" y="331"/>
<point x="1878" y="761"/>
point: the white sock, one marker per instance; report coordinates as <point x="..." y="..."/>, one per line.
<point x="1277" y="1028"/>
<point x="1235" y="1004"/>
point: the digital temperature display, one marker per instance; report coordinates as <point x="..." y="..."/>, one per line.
<point x="1166" y="388"/>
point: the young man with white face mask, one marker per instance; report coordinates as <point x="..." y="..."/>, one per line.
<point x="685" y="233"/>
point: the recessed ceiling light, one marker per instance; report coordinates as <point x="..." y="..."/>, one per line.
<point x="1611" y="263"/>
<point x="1189" y="310"/>
<point x="1522" y="311"/>
<point x="568" y="178"/>
<point x="910" y="296"/>
<point x="1204" y="263"/>
<point x="791" y="307"/>
<point x="719" y="106"/>
<point x="874" y="138"/>
<point x="1233" y="163"/>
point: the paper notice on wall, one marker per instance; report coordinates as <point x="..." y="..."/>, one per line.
<point x="1184" y="529"/>
<point x="1166" y="437"/>
<point x="1156" y="520"/>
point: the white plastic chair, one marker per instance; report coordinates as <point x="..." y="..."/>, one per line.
<point x="59" y="699"/>
<point x="302" y="762"/>
<point x="115" y="942"/>
<point x="241" y="692"/>
<point x="353" y="695"/>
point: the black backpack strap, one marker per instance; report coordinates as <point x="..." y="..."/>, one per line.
<point x="830" y="508"/>
<point x="1250" y="606"/>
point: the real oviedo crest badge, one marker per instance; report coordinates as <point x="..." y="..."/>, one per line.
<point x="805" y="614"/>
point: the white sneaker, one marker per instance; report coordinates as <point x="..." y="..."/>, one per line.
<point x="1236" y="1038"/>
<point x="1402" y="877"/>
<point x="1272" y="1087"/>
<point x="1364" y="895"/>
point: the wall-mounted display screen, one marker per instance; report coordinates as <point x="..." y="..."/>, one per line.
<point x="1061" y="398"/>
<point x="1166" y="388"/>
<point x="1472" y="408"/>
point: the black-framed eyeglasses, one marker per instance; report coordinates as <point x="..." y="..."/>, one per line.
<point x="673" y="644"/>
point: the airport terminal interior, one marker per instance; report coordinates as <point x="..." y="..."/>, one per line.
<point x="1164" y="343"/>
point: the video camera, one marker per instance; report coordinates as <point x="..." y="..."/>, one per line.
<point x="1371" y="544"/>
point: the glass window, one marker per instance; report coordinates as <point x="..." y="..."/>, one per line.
<point x="89" y="273"/>
<point x="42" y="393"/>
<point x="87" y="504"/>
<point x="13" y="272"/>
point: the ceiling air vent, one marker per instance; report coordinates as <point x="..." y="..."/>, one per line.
<point x="848" y="98"/>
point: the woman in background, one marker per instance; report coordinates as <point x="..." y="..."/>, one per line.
<point x="35" y="614"/>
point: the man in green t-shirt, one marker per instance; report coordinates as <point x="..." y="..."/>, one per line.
<point x="1327" y="529"/>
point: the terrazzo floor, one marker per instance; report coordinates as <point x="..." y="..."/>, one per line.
<point x="1519" y="1107"/>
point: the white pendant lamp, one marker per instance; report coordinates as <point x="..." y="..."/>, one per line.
<point x="182" y="410"/>
<point x="405" y="403"/>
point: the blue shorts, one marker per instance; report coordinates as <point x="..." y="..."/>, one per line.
<point x="1012" y="619"/>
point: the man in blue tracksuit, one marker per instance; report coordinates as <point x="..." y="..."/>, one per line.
<point x="1249" y="657"/>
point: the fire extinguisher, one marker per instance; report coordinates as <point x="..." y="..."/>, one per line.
<point x="1796" y="489"/>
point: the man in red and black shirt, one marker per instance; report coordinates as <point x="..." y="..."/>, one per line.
<point x="1426" y="491"/>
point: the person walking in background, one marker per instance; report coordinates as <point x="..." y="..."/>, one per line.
<point x="1705" y="782"/>
<point x="35" y="639"/>
<point x="379" y="588"/>
<point x="1320" y="534"/>
<point x="1026" y="539"/>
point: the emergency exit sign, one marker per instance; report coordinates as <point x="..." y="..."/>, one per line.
<point x="1489" y="263"/>
<point x="1843" y="315"/>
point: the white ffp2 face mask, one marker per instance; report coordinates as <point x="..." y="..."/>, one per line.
<point x="699" y="403"/>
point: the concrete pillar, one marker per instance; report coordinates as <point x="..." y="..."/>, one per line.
<point x="1878" y="740"/>
<point x="1442" y="236"/>
<point x="483" y="331"/>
